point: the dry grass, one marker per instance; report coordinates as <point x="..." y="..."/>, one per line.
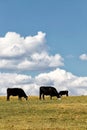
<point x="66" y="114"/>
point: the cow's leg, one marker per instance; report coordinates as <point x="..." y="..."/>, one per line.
<point x="67" y="94"/>
<point x="8" y="97"/>
<point x="61" y="95"/>
<point x="43" y="97"/>
<point x="19" y="97"/>
<point x="51" y="97"/>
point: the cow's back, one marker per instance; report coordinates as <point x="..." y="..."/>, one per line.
<point x="14" y="91"/>
<point x="45" y="90"/>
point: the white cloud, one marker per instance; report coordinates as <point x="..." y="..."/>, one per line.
<point x="83" y="57"/>
<point x="58" y="78"/>
<point x="13" y="80"/>
<point x="29" y="53"/>
<point x="38" y="61"/>
<point x="11" y="45"/>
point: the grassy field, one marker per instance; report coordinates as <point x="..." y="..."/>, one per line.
<point x="70" y="113"/>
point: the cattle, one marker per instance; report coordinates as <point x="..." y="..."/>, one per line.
<point x="48" y="90"/>
<point x="16" y="92"/>
<point x="65" y="92"/>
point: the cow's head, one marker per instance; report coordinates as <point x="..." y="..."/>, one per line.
<point x="26" y="97"/>
<point x="58" y="96"/>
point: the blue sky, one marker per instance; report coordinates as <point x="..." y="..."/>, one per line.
<point x="64" y="22"/>
<point x="63" y="26"/>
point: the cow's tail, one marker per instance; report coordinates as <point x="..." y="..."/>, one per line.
<point x="40" y="93"/>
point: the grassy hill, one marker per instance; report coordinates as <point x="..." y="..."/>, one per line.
<point x="69" y="113"/>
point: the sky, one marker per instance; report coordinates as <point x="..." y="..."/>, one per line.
<point x="43" y="43"/>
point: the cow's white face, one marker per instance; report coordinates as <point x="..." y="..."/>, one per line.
<point x="59" y="98"/>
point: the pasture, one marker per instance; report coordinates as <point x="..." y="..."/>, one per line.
<point x="70" y="113"/>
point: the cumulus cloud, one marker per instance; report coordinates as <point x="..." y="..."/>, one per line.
<point x="60" y="79"/>
<point x="19" y="53"/>
<point x="39" y="61"/>
<point x="83" y="57"/>
<point x="26" y="53"/>
<point x="13" y="80"/>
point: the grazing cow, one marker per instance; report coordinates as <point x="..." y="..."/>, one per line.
<point x="16" y="92"/>
<point x="48" y="90"/>
<point x="65" y="92"/>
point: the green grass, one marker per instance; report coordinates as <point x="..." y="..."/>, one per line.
<point x="70" y="113"/>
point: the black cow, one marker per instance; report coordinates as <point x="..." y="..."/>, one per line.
<point x="65" y="92"/>
<point x="48" y="90"/>
<point x="16" y="92"/>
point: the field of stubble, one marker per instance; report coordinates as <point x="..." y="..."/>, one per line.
<point x="69" y="113"/>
